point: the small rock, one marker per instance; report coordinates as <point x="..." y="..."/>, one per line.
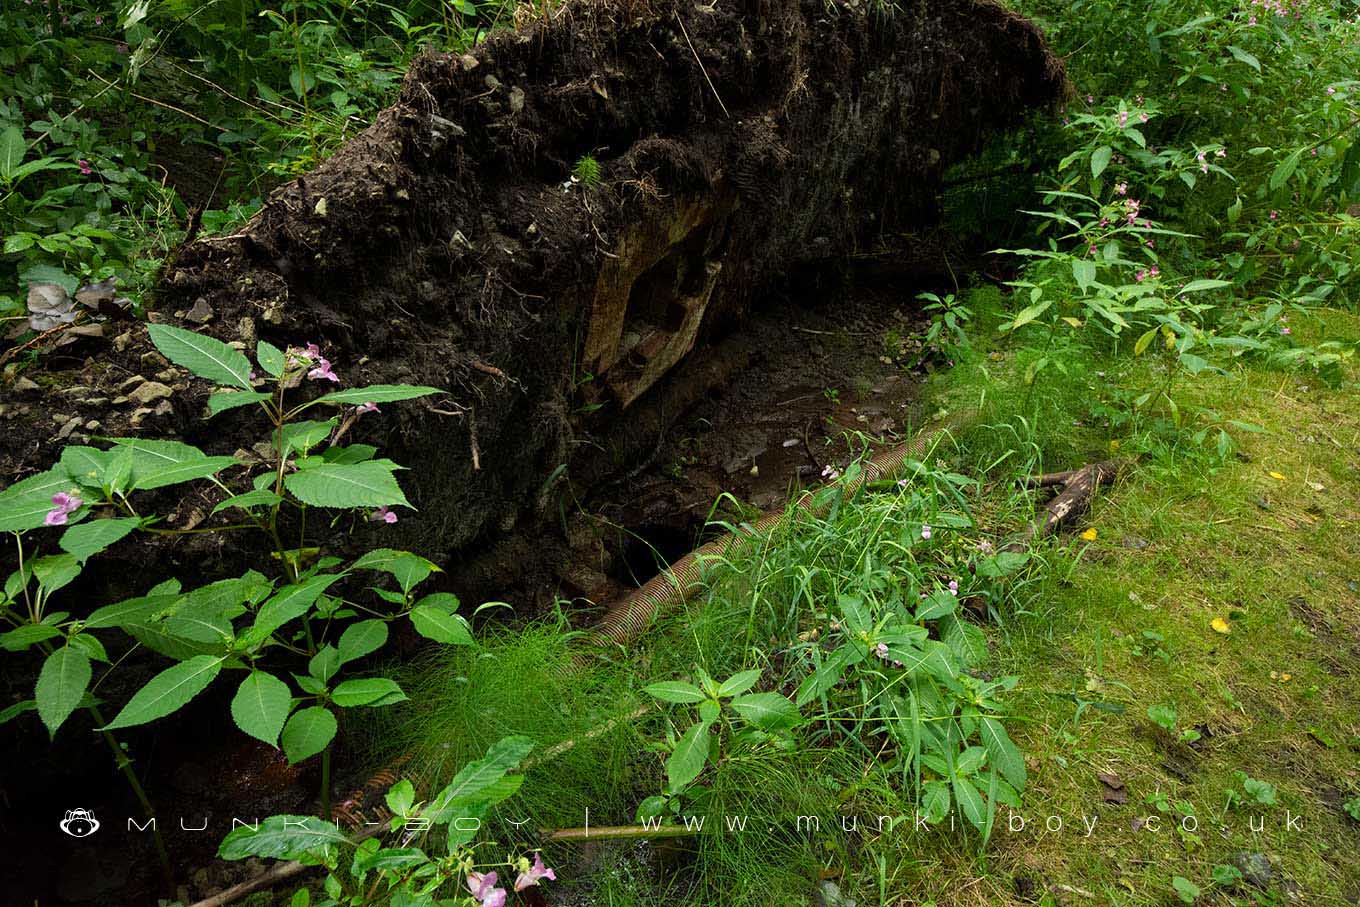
<point x="246" y="329"/>
<point x="1133" y="541"/>
<point x="130" y="383"/>
<point x="154" y="360"/>
<point x="94" y="402"/>
<point x="120" y="343"/>
<point x="1255" y="867"/>
<point x="76" y="391"/>
<point x="469" y="61"/>
<point x="139" y="416"/>
<point x="156" y="317"/>
<point x="239" y="345"/>
<point x="829" y="895"/>
<point x="59" y="418"/>
<point x="167" y="374"/>
<point x="200" y="312"/>
<point x="93" y="425"/>
<point x="516" y="99"/>
<point x="274" y="314"/>
<point x="26" y="386"/>
<point x="119" y="400"/>
<point x="164" y="409"/>
<point x="491" y="82"/>
<point x="65" y="431"/>
<point x="149" y="392"/>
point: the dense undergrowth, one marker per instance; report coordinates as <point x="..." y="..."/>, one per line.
<point x="1174" y="684"/>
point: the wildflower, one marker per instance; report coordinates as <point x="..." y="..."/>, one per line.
<point x="85" y="169"/>
<point x="484" y="890"/>
<point x="1140" y="276"/>
<point x="382" y="515"/>
<point x="365" y="408"/>
<point x="1222" y="152"/>
<point x="323" y="370"/>
<point x="925" y="531"/>
<point x="1274" y="215"/>
<point x="1091" y="249"/>
<point x="1142" y="117"/>
<point x="534" y="873"/>
<point x="1138" y="100"/>
<point x="98" y="20"/>
<point x="1123" y="118"/>
<point x="1120" y="188"/>
<point x="1286" y="331"/>
<point x="1090" y="99"/>
<point x="313" y="351"/>
<point x="882" y="650"/>
<point x="953" y="587"/>
<point x="1331" y="90"/>
<point x="986" y="547"/>
<point x="63" y="505"/>
<point x="830" y="472"/>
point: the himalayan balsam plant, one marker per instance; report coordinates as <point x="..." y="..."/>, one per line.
<point x="290" y="637"/>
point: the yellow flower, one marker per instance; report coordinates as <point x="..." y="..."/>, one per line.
<point x="1090" y="534"/>
<point x="1277" y="476"/>
<point x="1285" y="677"/>
<point x="1220" y="626"/>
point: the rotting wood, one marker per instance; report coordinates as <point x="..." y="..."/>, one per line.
<point x="1078" y="489"/>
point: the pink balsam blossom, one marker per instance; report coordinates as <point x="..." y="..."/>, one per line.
<point x="534" y="873"/>
<point x="484" y="890"/>
<point x="63" y="505"/>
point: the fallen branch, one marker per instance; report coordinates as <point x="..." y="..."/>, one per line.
<point x="1078" y="488"/>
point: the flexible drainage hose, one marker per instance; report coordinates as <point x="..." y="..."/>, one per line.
<point x="630" y="616"/>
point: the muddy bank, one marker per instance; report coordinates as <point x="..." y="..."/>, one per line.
<point x="449" y="245"/>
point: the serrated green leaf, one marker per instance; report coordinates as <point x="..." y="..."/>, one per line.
<point x="1199" y="286"/>
<point x="410" y="570"/>
<point x="738" y="683"/>
<point x="21" y="638"/>
<point x="1100" y="159"/>
<point x="288" y="603"/>
<point x="9" y="714"/>
<point x="205" y="356"/>
<point x="261" y="705"/>
<point x="1003" y="753"/>
<point x="271" y="358"/>
<point x="61" y="685"/>
<point x="767" y="711"/>
<point x="168" y="691"/>
<point x="377" y="393"/>
<point x="687" y="761"/>
<point x="367" y="691"/>
<point x="281" y="837"/>
<point x="88" y="539"/>
<point x="156" y="463"/>
<point x="259" y="498"/>
<point x="476" y="778"/>
<point x="439" y="625"/>
<point x="675" y="691"/>
<point x="12" y="151"/>
<point x="368" y="484"/>
<point x="308" y="732"/>
<point x="222" y="401"/>
<point x="362" y="638"/>
<point x="25" y="504"/>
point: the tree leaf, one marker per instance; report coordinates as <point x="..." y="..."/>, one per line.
<point x="261" y="706"/>
<point x="207" y="357"/>
<point x="361" y="638"/>
<point x="168" y="691"/>
<point x="308" y="732"/>
<point x="88" y="539"/>
<point x="685" y="764"/>
<point x="767" y="711"/>
<point x="368" y="484"/>
<point x="61" y="685"/>
<point x="367" y="691"/>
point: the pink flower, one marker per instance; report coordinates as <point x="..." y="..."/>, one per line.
<point x="881" y="650"/>
<point x="1090" y="99"/>
<point x="484" y="890"/>
<point x="85" y="169"/>
<point x="1274" y="215"/>
<point x="365" y="408"/>
<point x="1283" y="330"/>
<point x="63" y="505"/>
<point x="313" y="351"/>
<point x="536" y="872"/>
<point x="1120" y="188"/>
<point x="323" y="370"/>
<point x="831" y="473"/>
<point x="953" y="587"/>
<point x="382" y="515"/>
<point x="925" y="531"/>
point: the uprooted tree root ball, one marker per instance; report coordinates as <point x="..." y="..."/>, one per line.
<point x="450" y="244"/>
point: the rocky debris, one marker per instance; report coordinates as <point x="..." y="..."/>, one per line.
<point x="1254" y="866"/>
<point x="148" y="392"/>
<point x="200" y="313"/>
<point x="26" y="386"/>
<point x="129" y="383"/>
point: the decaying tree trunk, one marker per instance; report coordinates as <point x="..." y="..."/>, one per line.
<point x="449" y="245"/>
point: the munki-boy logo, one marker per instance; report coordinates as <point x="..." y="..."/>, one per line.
<point x="79" y="823"/>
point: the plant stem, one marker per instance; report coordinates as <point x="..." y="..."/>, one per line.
<point x="326" y="784"/>
<point x="125" y="766"/>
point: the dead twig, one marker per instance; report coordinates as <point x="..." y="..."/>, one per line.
<point x="684" y="32"/>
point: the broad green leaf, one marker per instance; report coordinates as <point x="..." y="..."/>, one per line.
<point x="1199" y="286"/>
<point x="85" y="465"/>
<point x="970" y="802"/>
<point x="937" y="605"/>
<point x="131" y="611"/>
<point x="1244" y="57"/>
<point x="828" y="673"/>
<point x="12" y="151"/>
<point x="61" y="685"/>
<point x="739" y="683"/>
<point x="288" y="603"/>
<point x="362" y="638"/>
<point x="410" y="570"/>
<point x="1083" y="272"/>
<point x="55" y="571"/>
<point x="260" y="498"/>
<point x="935" y="801"/>
<point x="168" y="691"/>
<point x="303" y="436"/>
<point x="367" y="691"/>
<point x="368" y="484"/>
<point x="438" y="624"/>
<point x="205" y="356"/>
<point x="156" y="464"/>
<point x="1145" y="341"/>
<point x="388" y="858"/>
<point x="965" y="639"/>
<point x="1002" y="753"/>
<point x="1285" y="169"/>
<point x="88" y="539"/>
<point x="685" y="764"/>
<point x="325" y="663"/>
<point x="271" y="358"/>
<point x="675" y="691"/>
<point x="767" y="711"/>
<point x="21" y="638"/>
<point x="261" y="706"/>
<point x="308" y="732"/>
<point x="222" y="401"/>
<point x="1028" y="314"/>
<point x="476" y="778"/>
<point x="401" y="797"/>
<point x="377" y="393"/>
<point x="25" y="504"/>
<point x="1100" y="159"/>
<point x="281" y="837"/>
